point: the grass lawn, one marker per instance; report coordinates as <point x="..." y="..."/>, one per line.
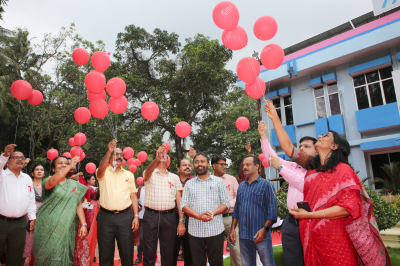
<point x="394" y="254"/>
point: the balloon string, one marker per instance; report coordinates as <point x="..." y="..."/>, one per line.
<point x="16" y="127"/>
<point x="31" y="138"/>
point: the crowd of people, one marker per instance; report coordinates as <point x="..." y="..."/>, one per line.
<point x="63" y="219"/>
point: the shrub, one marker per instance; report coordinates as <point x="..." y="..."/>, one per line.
<point x="281" y="196"/>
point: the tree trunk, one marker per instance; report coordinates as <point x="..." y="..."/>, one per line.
<point x="178" y="147"/>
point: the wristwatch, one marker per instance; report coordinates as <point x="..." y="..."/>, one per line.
<point x="83" y="224"/>
<point x="280" y="167"/>
<point x="182" y="220"/>
<point x="136" y="215"/>
<point x="266" y="228"/>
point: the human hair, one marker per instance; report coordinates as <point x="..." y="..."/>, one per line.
<point x="314" y="140"/>
<point x="88" y="177"/>
<point x="200" y="153"/>
<point x="9" y="157"/>
<point x="216" y="158"/>
<point x="53" y="163"/>
<point x="34" y="167"/>
<point x="340" y="155"/>
<point x="180" y="161"/>
<point x="255" y="158"/>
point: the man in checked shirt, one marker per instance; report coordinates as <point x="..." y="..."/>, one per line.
<point x="204" y="200"/>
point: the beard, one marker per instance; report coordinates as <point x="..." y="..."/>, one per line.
<point x="201" y="171"/>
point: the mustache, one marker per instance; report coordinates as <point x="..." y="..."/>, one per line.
<point x="245" y="170"/>
<point x="187" y="169"/>
<point x="119" y="159"/>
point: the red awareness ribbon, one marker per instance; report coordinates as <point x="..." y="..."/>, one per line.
<point x="229" y="187"/>
<point x="127" y="180"/>
<point x="170" y="184"/>
<point x="30" y="188"/>
<point x="74" y="190"/>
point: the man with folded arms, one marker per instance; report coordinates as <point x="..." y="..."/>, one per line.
<point x="17" y="198"/>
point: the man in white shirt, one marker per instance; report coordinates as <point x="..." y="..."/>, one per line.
<point x="17" y="198"/>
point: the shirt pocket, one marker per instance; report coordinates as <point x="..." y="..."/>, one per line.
<point x="171" y="186"/>
<point x="257" y="197"/>
<point x="28" y="190"/>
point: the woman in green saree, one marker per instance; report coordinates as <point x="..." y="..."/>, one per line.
<point x="55" y="230"/>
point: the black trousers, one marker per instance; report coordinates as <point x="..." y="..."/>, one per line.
<point x="158" y="227"/>
<point x="211" y="247"/>
<point x="12" y="234"/>
<point x="109" y="228"/>
<point x="291" y="243"/>
<point x="186" y="246"/>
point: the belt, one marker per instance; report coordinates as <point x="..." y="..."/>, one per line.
<point x="160" y="212"/>
<point x="227" y="214"/>
<point x="11" y="218"/>
<point x="114" y="212"/>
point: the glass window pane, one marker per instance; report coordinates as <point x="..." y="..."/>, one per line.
<point x="277" y="102"/>
<point x="332" y="88"/>
<point x="334" y="104"/>
<point x="287" y="100"/>
<point x="372" y="76"/>
<point x="377" y="161"/>
<point x="278" y="110"/>
<point x="319" y="92"/>
<point x="375" y="94"/>
<point x="320" y="104"/>
<point x="362" y="98"/>
<point x="289" y="115"/>
<point x="388" y="89"/>
<point x="394" y="157"/>
<point x="386" y="72"/>
<point x="359" y="80"/>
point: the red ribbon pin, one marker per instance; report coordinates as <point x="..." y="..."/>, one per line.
<point x="229" y="187"/>
<point x="170" y="184"/>
<point x="74" y="190"/>
<point x="127" y="180"/>
<point x="30" y="188"/>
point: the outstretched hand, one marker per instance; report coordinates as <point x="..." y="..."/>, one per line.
<point x="247" y="146"/>
<point x="192" y="152"/>
<point x="270" y="110"/>
<point x="111" y="145"/>
<point x="9" y="149"/>
<point x="161" y="151"/>
<point x="262" y="130"/>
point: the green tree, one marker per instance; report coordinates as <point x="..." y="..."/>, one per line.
<point x="391" y="183"/>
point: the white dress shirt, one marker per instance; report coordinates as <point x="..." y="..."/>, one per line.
<point x="17" y="196"/>
<point x="141" y="201"/>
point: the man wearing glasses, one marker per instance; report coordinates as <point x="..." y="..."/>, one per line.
<point x="115" y="219"/>
<point x="17" y="198"/>
<point x="219" y="165"/>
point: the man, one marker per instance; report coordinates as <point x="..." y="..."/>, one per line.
<point x="256" y="210"/>
<point x="163" y="189"/>
<point x="204" y="200"/>
<point x="294" y="174"/>
<point x="141" y="195"/>
<point x="219" y="165"/>
<point x="17" y="198"/>
<point x="115" y="219"/>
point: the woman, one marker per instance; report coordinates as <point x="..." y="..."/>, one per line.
<point x="90" y="196"/>
<point x="341" y="228"/>
<point x="37" y="176"/>
<point x="55" y="228"/>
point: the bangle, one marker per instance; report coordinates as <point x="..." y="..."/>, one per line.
<point x="85" y="224"/>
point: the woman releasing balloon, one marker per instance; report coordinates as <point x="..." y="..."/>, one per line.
<point x="55" y="228"/>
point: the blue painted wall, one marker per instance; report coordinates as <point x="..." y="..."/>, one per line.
<point x="336" y="123"/>
<point x="378" y="117"/>
<point x="321" y="126"/>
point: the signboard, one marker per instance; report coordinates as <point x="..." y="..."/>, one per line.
<point x="381" y="6"/>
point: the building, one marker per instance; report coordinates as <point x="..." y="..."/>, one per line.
<point x="346" y="79"/>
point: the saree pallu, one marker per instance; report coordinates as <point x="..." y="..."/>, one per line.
<point x="353" y="240"/>
<point x="55" y="229"/>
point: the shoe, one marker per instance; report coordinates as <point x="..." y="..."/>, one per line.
<point x="137" y="261"/>
<point x="227" y="248"/>
<point x="181" y="258"/>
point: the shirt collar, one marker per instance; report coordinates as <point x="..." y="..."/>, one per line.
<point x="111" y="169"/>
<point x="166" y="171"/>
<point x="8" y="172"/>
<point x="258" y="179"/>
<point x="210" y="176"/>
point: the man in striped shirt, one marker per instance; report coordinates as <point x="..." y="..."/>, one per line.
<point x="204" y="200"/>
<point x="255" y="210"/>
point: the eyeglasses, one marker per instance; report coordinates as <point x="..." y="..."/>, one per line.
<point x="325" y="135"/>
<point x="119" y="154"/>
<point x="17" y="158"/>
<point x="223" y="164"/>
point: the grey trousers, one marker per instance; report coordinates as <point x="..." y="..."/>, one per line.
<point x="291" y="243"/>
<point x="236" y="260"/>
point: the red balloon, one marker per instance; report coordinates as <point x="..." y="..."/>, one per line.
<point x="235" y="39"/>
<point x="90" y="168"/>
<point x="131" y="161"/>
<point x="226" y="15"/>
<point x="100" y="60"/>
<point x="52" y="154"/>
<point x="99" y="108"/>
<point x="67" y="155"/>
<point x="76" y="151"/>
<point x="142" y="156"/>
<point x="137" y="162"/>
<point x="82" y="115"/>
<point x="128" y="153"/>
<point x="83" y="155"/>
<point x="139" y="180"/>
<point x="261" y="157"/>
<point x="119" y="105"/>
<point x="21" y="89"/>
<point x="265" y="164"/>
<point x="80" y="56"/>
<point x="242" y="123"/>
<point x="80" y="139"/>
<point x="169" y="161"/>
<point x="36" y="98"/>
<point x="255" y="89"/>
<point x="272" y="56"/>
<point x="132" y="168"/>
<point x="150" y="111"/>
<point x="183" y="129"/>
<point x="71" y="142"/>
<point x="265" y="28"/>
<point x="95" y="82"/>
<point x="94" y="96"/>
<point x="167" y="146"/>
<point x="123" y="163"/>
<point x="248" y="69"/>
<point x="116" y="87"/>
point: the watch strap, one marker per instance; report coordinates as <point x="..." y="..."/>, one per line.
<point x="280" y="167"/>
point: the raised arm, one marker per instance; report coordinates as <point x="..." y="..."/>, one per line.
<point x="58" y="176"/>
<point x="153" y="165"/>
<point x="106" y="159"/>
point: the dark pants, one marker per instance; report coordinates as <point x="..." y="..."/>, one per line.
<point x="109" y="228"/>
<point x="12" y="234"/>
<point x="291" y="243"/>
<point x="211" y="247"/>
<point x="186" y="246"/>
<point x="140" y="247"/>
<point x="158" y="227"/>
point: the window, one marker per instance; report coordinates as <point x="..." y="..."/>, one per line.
<point x="334" y="102"/>
<point x="320" y="102"/>
<point x="277" y="104"/>
<point x="374" y="88"/>
<point x="378" y="160"/>
<point x="287" y="102"/>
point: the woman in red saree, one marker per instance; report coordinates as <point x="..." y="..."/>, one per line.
<point x="341" y="228"/>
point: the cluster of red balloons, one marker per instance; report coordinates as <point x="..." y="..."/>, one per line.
<point x="133" y="163"/>
<point x="78" y="140"/>
<point x="262" y="159"/>
<point x="22" y="90"/>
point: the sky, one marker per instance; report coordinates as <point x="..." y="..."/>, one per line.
<point x="103" y="20"/>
